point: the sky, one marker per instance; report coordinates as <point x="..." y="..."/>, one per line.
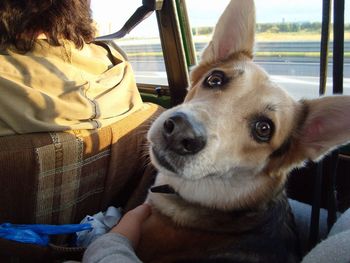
<point x="111" y="14"/>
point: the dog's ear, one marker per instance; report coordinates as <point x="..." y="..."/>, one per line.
<point x="233" y="33"/>
<point x="326" y="125"/>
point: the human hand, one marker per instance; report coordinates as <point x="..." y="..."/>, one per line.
<point x="130" y="224"/>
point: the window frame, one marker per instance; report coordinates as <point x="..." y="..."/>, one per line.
<point x="173" y="51"/>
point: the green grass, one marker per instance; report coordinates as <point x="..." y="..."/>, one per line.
<point x="294" y="54"/>
<point x="257" y="54"/>
<point x="145" y="54"/>
<point x="281" y="36"/>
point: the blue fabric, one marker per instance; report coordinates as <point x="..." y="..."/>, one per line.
<point x="37" y="233"/>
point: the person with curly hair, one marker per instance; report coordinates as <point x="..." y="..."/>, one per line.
<point x="53" y="76"/>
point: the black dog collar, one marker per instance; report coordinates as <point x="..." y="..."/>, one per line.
<point x="163" y="189"/>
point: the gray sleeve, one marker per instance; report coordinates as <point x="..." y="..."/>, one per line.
<point x="333" y="249"/>
<point x="336" y="247"/>
<point x="342" y="224"/>
<point x="110" y="248"/>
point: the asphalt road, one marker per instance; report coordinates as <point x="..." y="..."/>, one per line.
<point x="295" y="46"/>
<point x="299" y="75"/>
<point x="298" y="87"/>
<point x="290" y="66"/>
<point x="275" y="65"/>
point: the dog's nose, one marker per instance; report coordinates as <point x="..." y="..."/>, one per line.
<point x="184" y="135"/>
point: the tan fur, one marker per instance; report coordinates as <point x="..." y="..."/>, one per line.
<point x="234" y="172"/>
<point x="230" y="140"/>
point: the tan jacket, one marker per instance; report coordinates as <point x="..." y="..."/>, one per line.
<point x="63" y="88"/>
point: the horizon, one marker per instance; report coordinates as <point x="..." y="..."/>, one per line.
<point x="267" y="11"/>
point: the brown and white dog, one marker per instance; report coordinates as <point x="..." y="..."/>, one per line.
<point x="223" y="156"/>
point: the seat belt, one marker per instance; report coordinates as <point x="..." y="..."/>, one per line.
<point x="141" y="13"/>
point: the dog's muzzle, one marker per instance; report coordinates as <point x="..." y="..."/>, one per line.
<point x="184" y="135"/>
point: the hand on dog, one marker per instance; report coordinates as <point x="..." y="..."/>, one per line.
<point x="130" y="224"/>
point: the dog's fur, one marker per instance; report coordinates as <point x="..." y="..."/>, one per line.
<point x="228" y="203"/>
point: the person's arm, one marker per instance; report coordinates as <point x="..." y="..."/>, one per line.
<point x="336" y="247"/>
<point x="118" y="245"/>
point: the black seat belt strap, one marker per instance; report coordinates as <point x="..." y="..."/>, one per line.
<point x="141" y="13"/>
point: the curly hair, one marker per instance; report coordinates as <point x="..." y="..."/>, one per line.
<point x="21" y="21"/>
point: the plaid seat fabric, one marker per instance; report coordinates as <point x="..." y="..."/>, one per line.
<point x="60" y="177"/>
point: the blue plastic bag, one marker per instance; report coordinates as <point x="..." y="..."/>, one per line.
<point x="38" y="233"/>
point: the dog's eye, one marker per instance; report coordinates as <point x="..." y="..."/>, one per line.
<point x="262" y="130"/>
<point x="216" y="79"/>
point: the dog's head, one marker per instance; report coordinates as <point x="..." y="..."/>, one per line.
<point x="232" y="141"/>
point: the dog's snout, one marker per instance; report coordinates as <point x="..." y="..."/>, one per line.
<point x="184" y="135"/>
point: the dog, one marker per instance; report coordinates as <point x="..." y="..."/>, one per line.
<point x="223" y="156"/>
